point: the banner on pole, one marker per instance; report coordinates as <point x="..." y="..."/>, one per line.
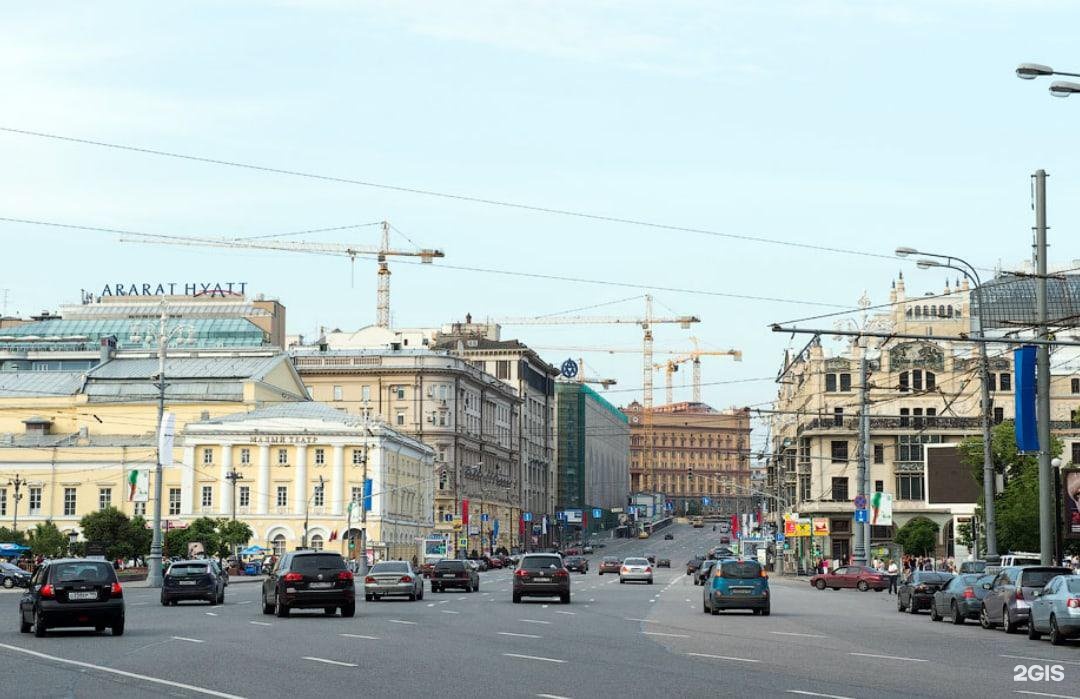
<point x="138" y="486"/>
<point x="1027" y="437"/>
<point x="881" y="509"/>
<point x="166" y="433"/>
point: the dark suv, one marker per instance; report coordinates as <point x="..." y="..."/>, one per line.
<point x="541" y="575"/>
<point x="197" y="579"/>
<point x="454" y="573"/>
<point x="309" y="580"/>
<point x="73" y="592"/>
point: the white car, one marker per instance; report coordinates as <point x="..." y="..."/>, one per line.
<point x="635" y="570"/>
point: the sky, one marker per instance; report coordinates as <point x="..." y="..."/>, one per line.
<point x="857" y="126"/>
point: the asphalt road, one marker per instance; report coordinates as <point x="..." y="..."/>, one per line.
<point x="628" y="640"/>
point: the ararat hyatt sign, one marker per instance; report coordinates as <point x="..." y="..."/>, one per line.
<point x="208" y="289"/>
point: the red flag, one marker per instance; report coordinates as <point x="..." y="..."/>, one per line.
<point x="734" y="524"/>
<point x="333" y="535"/>
<point x="465" y="512"/>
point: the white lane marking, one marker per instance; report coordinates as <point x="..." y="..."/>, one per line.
<point x="211" y="614"/>
<point x="670" y="635"/>
<point x="139" y="604"/>
<point x="552" y="696"/>
<point x="626" y="618"/>
<point x="330" y="662"/>
<point x="543" y="606"/>
<point x="533" y="657"/>
<point x="432" y="604"/>
<point x="189" y="640"/>
<point x="1042" y="660"/>
<point x="401" y="621"/>
<point x="260" y="623"/>
<point x="592" y="600"/>
<point x="518" y="635"/>
<point x="1044" y="694"/>
<point x="356" y="635"/>
<point x="803" y="635"/>
<point x="817" y="694"/>
<point x="569" y="613"/>
<point x="534" y="621"/>
<point x="247" y="601"/>
<point x="450" y="611"/>
<point x="687" y="599"/>
<point x="462" y="599"/>
<point x="723" y="657"/>
<point x="890" y="657"/>
<point x="123" y="673"/>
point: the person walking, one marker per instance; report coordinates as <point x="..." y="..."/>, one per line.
<point x="893" y="571"/>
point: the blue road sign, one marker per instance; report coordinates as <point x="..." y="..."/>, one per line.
<point x="526" y="517"/>
<point x="862" y="515"/>
<point x="448" y="517"/>
<point x="779" y="537"/>
<point x="597" y="513"/>
<point x="860" y="502"/>
<point x="484" y="517"/>
<point x="705" y="501"/>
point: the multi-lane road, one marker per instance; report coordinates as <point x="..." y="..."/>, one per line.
<point x="613" y="640"/>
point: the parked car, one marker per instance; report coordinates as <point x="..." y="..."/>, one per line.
<point x="13" y="576"/>
<point x="426" y="568"/>
<point x="852" y="578"/>
<point x="541" y="575"/>
<point x="669" y="537"/>
<point x="197" y="579"/>
<point x="73" y="592"/>
<point x="610" y="564"/>
<point x="1010" y="593"/>
<point x="221" y="570"/>
<point x="663" y="562"/>
<point x="636" y="570"/>
<point x="961" y="598"/>
<point x="393" y="579"/>
<point x="454" y="573"/>
<point x="693" y="564"/>
<point x="704" y="571"/>
<point x="736" y="584"/>
<point x="308" y="579"/>
<point x="973" y="567"/>
<point x="576" y="564"/>
<point x="916" y="589"/>
<point x="493" y="562"/>
<point x="1056" y="610"/>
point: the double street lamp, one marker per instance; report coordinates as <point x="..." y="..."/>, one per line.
<point x="1058" y="88"/>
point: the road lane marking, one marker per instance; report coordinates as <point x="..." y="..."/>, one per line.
<point x="211" y="614"/>
<point x="592" y="600"/>
<point x="139" y="604"/>
<point x="260" y="623"/>
<point x="1044" y="694"/>
<point x="1042" y="660"/>
<point x="247" y="601"/>
<point x="519" y="635"/>
<point x="401" y="621"/>
<point x="534" y="621"/>
<point x="330" y="662"/>
<point x="431" y="604"/>
<point x="569" y="613"/>
<point x="723" y="657"/>
<point x="552" y="696"/>
<point x="450" y="611"/>
<point x="356" y="635"/>
<point x="890" y="657"/>
<point x="803" y="635"/>
<point x="189" y="640"/>
<point x="626" y="618"/>
<point x="123" y="673"/>
<point x="670" y="635"/>
<point x="533" y="657"/>
<point x="817" y="694"/>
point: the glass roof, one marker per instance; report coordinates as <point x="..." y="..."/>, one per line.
<point x="64" y="334"/>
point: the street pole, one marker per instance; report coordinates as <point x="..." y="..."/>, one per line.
<point x="363" y="514"/>
<point x="153" y="561"/>
<point x="1042" y="359"/>
<point x="18" y="483"/>
<point x="232" y="476"/>
<point x="989" y="475"/>
<point x="863" y="467"/>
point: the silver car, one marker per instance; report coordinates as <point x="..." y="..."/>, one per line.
<point x="636" y="570"/>
<point x="1056" y="610"/>
<point x="393" y="578"/>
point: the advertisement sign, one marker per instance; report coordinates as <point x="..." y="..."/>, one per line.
<point x="881" y="509"/>
<point x="1070" y="490"/>
<point x="1027" y="438"/>
<point x="138" y="486"/>
<point x="821" y="526"/>
<point x="573" y="516"/>
<point x="803" y="527"/>
<point x="790" y="524"/>
<point x="166" y="432"/>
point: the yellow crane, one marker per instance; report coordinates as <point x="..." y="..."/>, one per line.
<point x="382" y="302"/>
<point x="695" y="355"/>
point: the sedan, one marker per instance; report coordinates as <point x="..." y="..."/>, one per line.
<point x="693" y="564"/>
<point x="916" y="590"/>
<point x="73" y="592"/>
<point x="13" y="576"/>
<point x="393" y="578"/>
<point x="636" y="570"/>
<point x="704" y="571"/>
<point x="1055" y="610"/>
<point x="576" y="564"/>
<point x="610" y="564"/>
<point x="669" y="537"/>
<point x="961" y="599"/>
<point x="851" y="577"/>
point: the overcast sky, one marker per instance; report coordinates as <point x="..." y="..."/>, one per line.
<point x="850" y="125"/>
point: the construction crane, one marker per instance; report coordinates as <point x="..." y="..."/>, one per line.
<point x="582" y="378"/>
<point x="382" y="302"/>
<point x="695" y="355"/>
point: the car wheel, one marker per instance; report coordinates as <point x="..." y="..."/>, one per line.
<point x="280" y="609"/>
<point x="984" y="619"/>
<point x="1007" y="623"/>
<point x="164" y="602"/>
<point x="899" y="604"/>
<point x="704" y="607"/>
<point x="39" y="625"/>
<point x="602" y="572"/>
<point x="118" y="627"/>
<point x="863" y="587"/>
<point x="1032" y="634"/>
<point x="9" y="583"/>
<point x="368" y="598"/>
<point x="517" y="598"/>
<point x="348" y="610"/>
<point x="715" y="611"/>
<point x="267" y="608"/>
<point x="24" y="626"/>
<point x="174" y="602"/>
<point x="412" y="596"/>
<point x="621" y="581"/>
<point x="957" y="617"/>
<point x="650" y="581"/>
<point x="565" y="598"/>
<point x="934" y="616"/>
<point x="213" y="600"/>
<point x="820" y="584"/>
<point x="766" y="611"/>
<point x="221" y="597"/>
<point x="1056" y="637"/>
<point x="98" y="628"/>
<point x="477" y="587"/>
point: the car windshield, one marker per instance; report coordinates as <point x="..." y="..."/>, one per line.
<point x="393" y="567"/>
<point x="540" y="562"/>
<point x="313" y="563"/>
<point x="611" y="559"/>
<point x="83" y="571"/>
<point x="450" y="565"/>
<point x="968" y="580"/>
<point x="932" y="577"/>
<point x="187" y="569"/>
<point x="1038" y="577"/>
<point x="636" y="562"/>
<point x="742" y="570"/>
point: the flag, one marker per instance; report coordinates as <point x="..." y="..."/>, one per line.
<point x="333" y="535"/>
<point x="543" y="526"/>
<point x="138" y="486"/>
<point x="166" y="430"/>
<point x="735" y="524"/>
<point x="465" y="512"/>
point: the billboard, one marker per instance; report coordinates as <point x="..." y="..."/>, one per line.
<point x="881" y="509"/>
<point x="138" y="486"/>
<point x="573" y="516"/>
<point x="949" y="481"/>
<point x="1070" y="489"/>
<point x="821" y="526"/>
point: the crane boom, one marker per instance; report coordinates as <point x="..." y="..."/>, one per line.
<point x="695" y="355"/>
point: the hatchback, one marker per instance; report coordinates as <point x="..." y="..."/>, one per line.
<point x="577" y="564"/>
<point x="916" y="590"/>
<point x="309" y="580"/>
<point x="541" y="575"/>
<point x="73" y="592"/>
<point x="737" y="584"/>
<point x="13" y="576"/>
<point x="610" y="564"/>
<point x="193" y="580"/>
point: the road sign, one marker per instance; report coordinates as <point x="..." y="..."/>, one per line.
<point x="597" y="513"/>
<point x="862" y="516"/>
<point x="484" y="517"/>
<point x="860" y="502"/>
<point x="448" y="517"/>
<point x="463" y="543"/>
<point x="526" y="516"/>
<point x="779" y="537"/>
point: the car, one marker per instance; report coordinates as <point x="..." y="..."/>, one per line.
<point x="426" y="567"/>
<point x="721" y="552"/>
<point x="1010" y="593"/>
<point x="704" y="571"/>
<point x="541" y="575"/>
<point x="961" y="599"/>
<point x="694" y="564"/>
<point x="1056" y="610"/>
<point x="13" y="576"/>
<point x="600" y="545"/>
<point x="636" y="570"/>
<point x="737" y="583"/>
<point x="572" y="551"/>
<point x="973" y="567"/>
<point x="492" y="563"/>
<point x="651" y="558"/>
<point x="221" y="570"/>
<point x="73" y="592"/>
<point x="309" y="579"/>
<point x="610" y="564"/>
<point x="643" y="535"/>
<point x="663" y="562"/>
<point x="851" y="577"/>
<point x="587" y="549"/>
<point x="576" y="564"/>
<point x="197" y="579"/>
<point x="918" y="588"/>
<point x="480" y="564"/>
<point x="393" y="579"/>
<point x="669" y="537"/>
<point x="449" y="573"/>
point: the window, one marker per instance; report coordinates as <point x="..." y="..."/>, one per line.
<point x="35" y="501"/>
<point x="931" y="381"/>
<point x="283" y="457"/>
<point x="909" y="486"/>
<point x="1074" y="417"/>
<point x="3" y="501"/>
<point x="399" y="419"/>
<point x="338" y="393"/>
<point x="910" y="447"/>
<point x="69" y="502"/>
<point x="830" y="383"/>
<point x="845" y="382"/>
<point x="991" y="379"/>
<point x="174" y="501"/>
<point x="916" y="380"/>
<point x="365" y="394"/>
<point x="317" y="542"/>
<point x="879" y="486"/>
<point x="838" y="417"/>
<point x="208" y="456"/>
<point x="917" y="414"/>
<point x="357" y="457"/>
<point x="879" y="453"/>
<point x="104" y="498"/>
<point x="904" y="415"/>
<point x="282" y="496"/>
<point x="1075" y="385"/>
<point x="1005" y="382"/>
<point x="245" y="456"/>
<point x="278" y="544"/>
<point x="140" y="509"/>
<point x="839" y="451"/>
<point x="356" y="493"/>
<point x="399" y="391"/>
<point x="999" y="415"/>
<point x="502" y="369"/>
<point x="320" y="456"/>
<point x="207" y="496"/>
<point x="804" y="486"/>
<point x="319" y="497"/>
<point x="839" y="488"/>
<point x="245" y="496"/>
<point x="903" y="382"/>
<point x="1075" y="455"/>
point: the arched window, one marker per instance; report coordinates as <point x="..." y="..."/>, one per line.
<point x="278" y="544"/>
<point x="317" y="542"/>
<point x="918" y="311"/>
<point x="950" y="311"/>
<point x="916" y="380"/>
<point x="941" y="311"/>
<point x="933" y="311"/>
<point x="926" y="311"/>
<point x="908" y="313"/>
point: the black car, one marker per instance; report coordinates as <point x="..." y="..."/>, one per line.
<point x="704" y="571"/>
<point x="961" y="598"/>
<point x="669" y="537"/>
<point x="13" y="576"/>
<point x="198" y="579"/>
<point x="309" y="580"/>
<point x="541" y="575"/>
<point x="916" y="590"/>
<point x="73" y="592"/>
<point x="662" y="562"/>
<point x="693" y="565"/>
<point x="454" y="573"/>
<point x="576" y="564"/>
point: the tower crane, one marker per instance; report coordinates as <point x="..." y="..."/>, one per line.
<point x="695" y="355"/>
<point x="382" y="303"/>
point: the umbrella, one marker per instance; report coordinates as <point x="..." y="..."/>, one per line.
<point x="13" y="549"/>
<point x="252" y="550"/>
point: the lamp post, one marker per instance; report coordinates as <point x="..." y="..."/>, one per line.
<point x="1058" y="88"/>
<point x="969" y="271"/>
<point x="17" y="483"/>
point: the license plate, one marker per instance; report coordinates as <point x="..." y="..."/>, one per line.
<point x="321" y="585"/>
<point x="448" y="575"/>
<point x="187" y="582"/>
<point x="740" y="591"/>
<point x="82" y="595"/>
<point x="541" y="579"/>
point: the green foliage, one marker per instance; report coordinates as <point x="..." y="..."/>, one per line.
<point x="10" y="536"/>
<point x="918" y="536"/>
<point x="45" y="539"/>
<point x="122" y="537"/>
<point x="233" y="533"/>
<point x="204" y="530"/>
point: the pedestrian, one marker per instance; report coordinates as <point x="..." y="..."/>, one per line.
<point x="893" y="572"/>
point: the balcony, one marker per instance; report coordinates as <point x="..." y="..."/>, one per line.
<point x="937" y="422"/>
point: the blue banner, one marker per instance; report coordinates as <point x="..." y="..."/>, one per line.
<point x="367" y="495"/>
<point x="1027" y="437"/>
<point x="495" y="529"/>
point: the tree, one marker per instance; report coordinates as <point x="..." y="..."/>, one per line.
<point x="233" y="533"/>
<point x="47" y="540"/>
<point x="10" y="536"/>
<point x="114" y="529"/>
<point x="140" y="536"/>
<point x="203" y="530"/>
<point x="918" y="536"/>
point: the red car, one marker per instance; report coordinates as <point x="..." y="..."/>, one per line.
<point x="853" y="577"/>
<point x="493" y="562"/>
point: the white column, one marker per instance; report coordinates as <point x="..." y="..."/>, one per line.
<point x="263" y="485"/>
<point x="337" y="481"/>
<point x="300" y="484"/>
<point x="224" y="492"/>
<point x="187" y="483"/>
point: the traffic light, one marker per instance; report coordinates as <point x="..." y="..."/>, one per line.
<point x="690" y="474"/>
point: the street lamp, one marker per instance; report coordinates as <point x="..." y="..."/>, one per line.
<point x="1064" y="88"/>
<point x="969" y="271"/>
<point x="1059" y="88"/>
